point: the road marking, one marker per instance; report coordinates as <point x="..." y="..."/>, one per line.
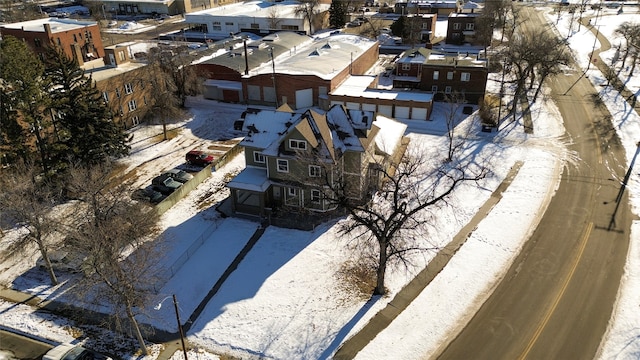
<point x="551" y="310"/>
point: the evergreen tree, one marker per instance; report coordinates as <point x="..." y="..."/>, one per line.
<point x="398" y="27"/>
<point x="23" y="103"/>
<point x="338" y="13"/>
<point x="85" y="130"/>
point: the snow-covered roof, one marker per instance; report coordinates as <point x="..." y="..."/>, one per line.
<point x="297" y="54"/>
<point x="390" y="134"/>
<point x="357" y="86"/>
<point x="258" y="9"/>
<point x="56" y="24"/>
<point x="251" y="179"/>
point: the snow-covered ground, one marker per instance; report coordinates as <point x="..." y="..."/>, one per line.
<point x="289" y="299"/>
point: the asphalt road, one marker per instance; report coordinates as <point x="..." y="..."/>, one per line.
<point x="14" y="346"/>
<point x="556" y="299"/>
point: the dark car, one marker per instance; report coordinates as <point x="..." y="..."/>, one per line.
<point x="200" y="158"/>
<point x="178" y="175"/>
<point x="148" y="195"/>
<point x="68" y="351"/>
<point x="165" y="184"/>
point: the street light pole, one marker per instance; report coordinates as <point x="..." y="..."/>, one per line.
<point x="175" y="304"/>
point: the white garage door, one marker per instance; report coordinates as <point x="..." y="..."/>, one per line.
<point x="304" y="98"/>
<point x="369" y="107"/>
<point x="385" y="110"/>
<point x="353" y="105"/>
<point x="419" y="114"/>
<point x="402" y="112"/>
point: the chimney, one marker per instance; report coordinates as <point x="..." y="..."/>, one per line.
<point x="47" y="29"/>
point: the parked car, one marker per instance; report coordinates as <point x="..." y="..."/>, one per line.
<point x="147" y="194"/>
<point x="200" y="158"/>
<point x="73" y="352"/>
<point x="62" y="260"/>
<point x="165" y="184"/>
<point x="178" y="175"/>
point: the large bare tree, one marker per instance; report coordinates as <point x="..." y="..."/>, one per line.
<point x="114" y="234"/>
<point x="28" y="200"/>
<point x="308" y="9"/>
<point x="395" y="220"/>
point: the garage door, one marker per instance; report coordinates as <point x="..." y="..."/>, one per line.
<point x="402" y="112"/>
<point x="253" y="92"/>
<point x="353" y="105"/>
<point x="369" y="107"/>
<point x="419" y="114"/>
<point x="304" y="98"/>
<point x="385" y="110"/>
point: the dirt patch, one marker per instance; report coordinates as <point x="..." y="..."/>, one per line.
<point x="358" y="277"/>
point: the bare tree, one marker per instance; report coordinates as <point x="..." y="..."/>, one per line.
<point x="631" y="34"/>
<point x="455" y="102"/>
<point x="274" y="18"/>
<point x="28" y="201"/>
<point x="308" y="9"/>
<point x="176" y="63"/>
<point x="113" y="234"/>
<point x="165" y="103"/>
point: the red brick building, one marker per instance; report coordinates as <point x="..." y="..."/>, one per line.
<point x="287" y="68"/>
<point x="442" y="74"/>
<point x="80" y="40"/>
<point x="461" y="28"/>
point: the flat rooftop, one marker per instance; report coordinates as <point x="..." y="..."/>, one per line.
<point x="57" y="25"/>
<point x="357" y="86"/>
<point x="258" y="9"/>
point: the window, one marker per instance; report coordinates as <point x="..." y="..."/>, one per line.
<point x="229" y="23"/>
<point x="447" y="90"/>
<point x="255" y="26"/>
<point x="135" y="120"/>
<point x="291" y="191"/>
<point x="315" y="171"/>
<point x="118" y="92"/>
<point x="456" y="26"/>
<point x="434" y="88"/>
<point x="128" y="88"/>
<point x="406" y="66"/>
<point x="426" y="26"/>
<point x="450" y="75"/>
<point x="289" y="27"/>
<point x="258" y="157"/>
<point x="122" y="56"/>
<point x="75" y="38"/>
<point x="315" y="196"/>
<point x="216" y="26"/>
<point x="132" y="105"/>
<point x="298" y="144"/>
<point x="469" y="26"/>
<point x="105" y="96"/>
<point x="121" y="111"/>
<point x="465" y="76"/>
<point x="436" y="75"/>
<point x="283" y="165"/>
<point x="59" y="42"/>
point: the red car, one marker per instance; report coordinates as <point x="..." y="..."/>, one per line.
<point x="200" y="158"/>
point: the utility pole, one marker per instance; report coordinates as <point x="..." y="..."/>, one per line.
<point x="273" y="76"/>
<point x="184" y="348"/>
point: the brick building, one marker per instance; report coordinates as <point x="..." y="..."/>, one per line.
<point x="287" y="68"/>
<point x="126" y="84"/>
<point x="80" y="40"/>
<point x="442" y="74"/>
<point x="461" y="28"/>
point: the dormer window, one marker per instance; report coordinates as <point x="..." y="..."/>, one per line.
<point x="298" y="144"/>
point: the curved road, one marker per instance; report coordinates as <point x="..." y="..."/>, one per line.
<point x="556" y="299"/>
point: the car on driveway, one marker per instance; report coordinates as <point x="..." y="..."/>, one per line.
<point x="165" y="184"/>
<point x="73" y="352"/>
<point x="178" y="175"/>
<point x="200" y="158"/>
<point x="147" y="194"/>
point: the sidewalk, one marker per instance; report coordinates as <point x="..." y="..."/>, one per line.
<point x="382" y="319"/>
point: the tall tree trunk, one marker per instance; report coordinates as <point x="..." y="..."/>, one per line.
<point x="47" y="261"/>
<point x="132" y="318"/>
<point x="382" y="268"/>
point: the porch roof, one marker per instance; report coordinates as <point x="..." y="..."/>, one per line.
<point x="251" y="179"/>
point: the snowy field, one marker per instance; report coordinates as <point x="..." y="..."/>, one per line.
<point x="287" y="299"/>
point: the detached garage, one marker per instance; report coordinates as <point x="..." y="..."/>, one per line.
<point x="228" y="91"/>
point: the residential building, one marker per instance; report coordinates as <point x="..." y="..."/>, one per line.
<point x="438" y="7"/>
<point x="254" y="16"/>
<point x="423" y="27"/>
<point x="291" y="156"/>
<point x="126" y="84"/>
<point x="80" y="40"/>
<point x="287" y="68"/>
<point x="461" y="28"/>
<point x="442" y="74"/>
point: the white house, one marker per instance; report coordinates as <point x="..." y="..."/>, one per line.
<point x="259" y="16"/>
